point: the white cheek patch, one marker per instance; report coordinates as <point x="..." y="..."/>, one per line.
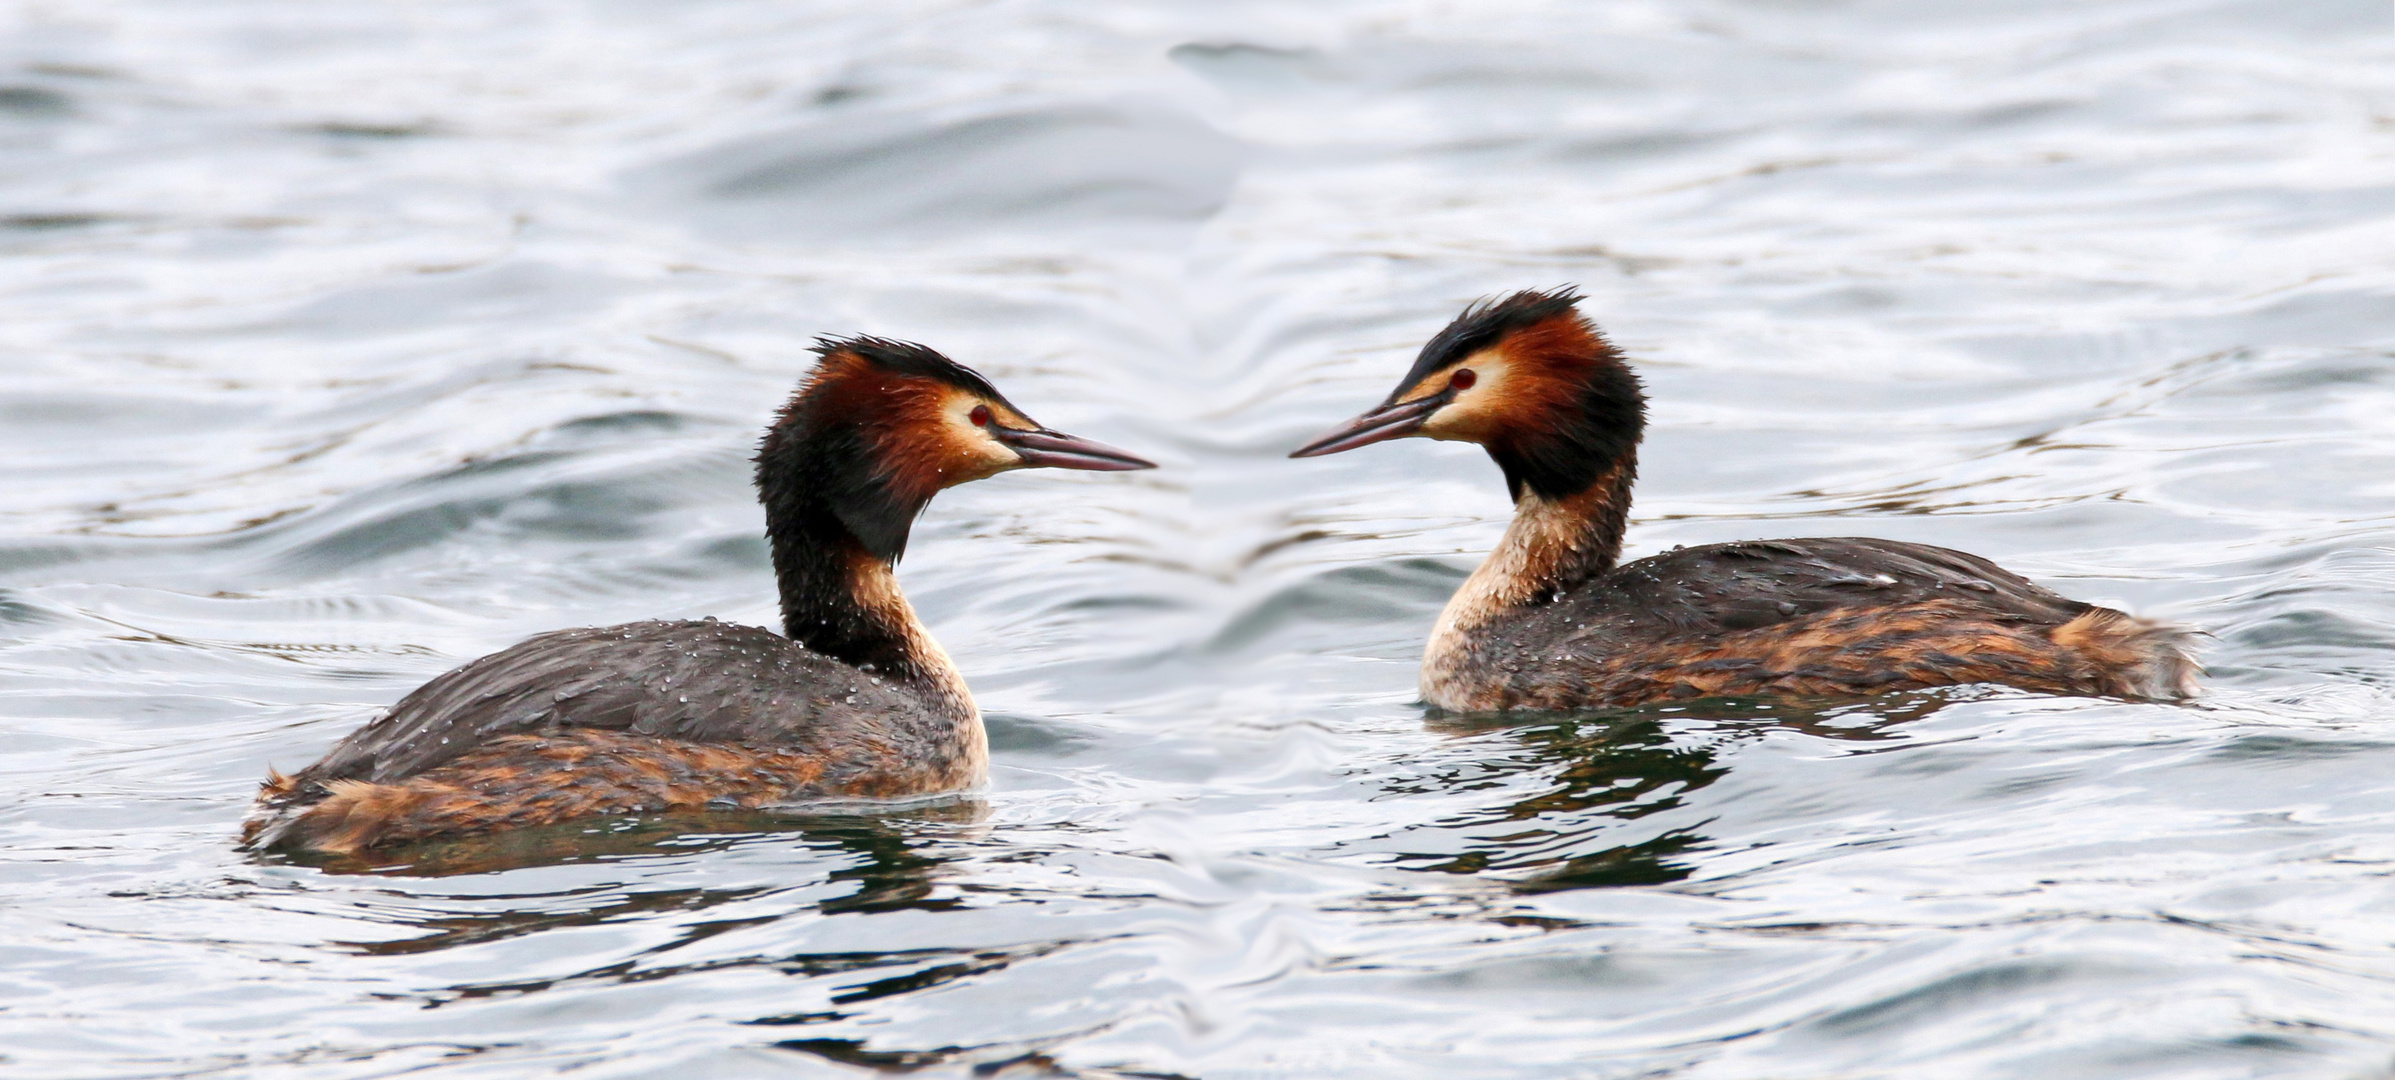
<point x="975" y="444"/>
<point x="1474" y="415"/>
<point x="972" y="451"/>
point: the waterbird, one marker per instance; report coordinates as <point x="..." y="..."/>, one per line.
<point x="853" y="699"/>
<point x="1553" y="620"/>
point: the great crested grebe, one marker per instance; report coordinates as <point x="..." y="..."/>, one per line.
<point x="856" y="699"/>
<point x="1550" y="621"/>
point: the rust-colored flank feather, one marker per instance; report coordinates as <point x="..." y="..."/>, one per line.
<point x="1552" y="621"/>
<point x="521" y="780"/>
<point x="854" y="699"/>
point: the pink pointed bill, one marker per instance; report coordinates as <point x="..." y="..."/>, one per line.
<point x="1392" y="421"/>
<point x="1057" y="450"/>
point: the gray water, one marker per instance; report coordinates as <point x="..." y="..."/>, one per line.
<point x="343" y="343"/>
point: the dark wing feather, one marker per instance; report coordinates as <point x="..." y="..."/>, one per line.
<point x="1819" y="616"/>
<point x="700" y="681"/>
<point x="1715" y="589"/>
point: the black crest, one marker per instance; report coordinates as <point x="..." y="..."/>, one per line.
<point x="1486" y="322"/>
<point x="908" y="359"/>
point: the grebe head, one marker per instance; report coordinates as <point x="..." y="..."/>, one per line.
<point x="1529" y="379"/>
<point x="881" y="426"/>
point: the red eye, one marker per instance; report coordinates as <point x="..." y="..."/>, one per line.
<point x="980" y="416"/>
<point x="1462" y="379"/>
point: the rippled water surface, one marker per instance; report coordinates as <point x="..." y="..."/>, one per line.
<point x="342" y="343"/>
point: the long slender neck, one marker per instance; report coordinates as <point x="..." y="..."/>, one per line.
<point x="1552" y="545"/>
<point x="841" y="600"/>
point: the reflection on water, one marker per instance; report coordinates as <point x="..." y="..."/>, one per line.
<point x="1571" y="781"/>
<point x="1598" y="771"/>
<point x="891" y="873"/>
<point x="886" y="863"/>
<point x="340" y="344"/>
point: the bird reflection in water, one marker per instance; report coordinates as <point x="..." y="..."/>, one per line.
<point x="896" y="863"/>
<point x="895" y="860"/>
<point x="1603" y="769"/>
<point x="897" y="868"/>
